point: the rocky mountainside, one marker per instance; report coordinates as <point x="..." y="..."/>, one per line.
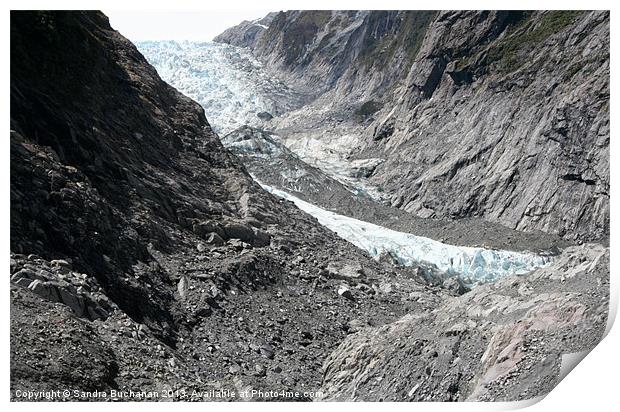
<point x="145" y="257"/>
<point x="499" y="341"/>
<point x="508" y="109"/>
<point x="245" y="33"/>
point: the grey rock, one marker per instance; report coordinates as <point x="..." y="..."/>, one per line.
<point x="261" y="238"/>
<point x="259" y="370"/>
<point x="352" y="272"/>
<point x="345" y="292"/>
<point x="62" y="266"/>
<point x="265" y="116"/>
<point x="214" y="239"/>
<point x="456" y="285"/>
<point x="183" y="286"/>
<point x="24" y="282"/>
<point x="267" y="351"/>
<point x="75" y="302"/>
<point x="238" y="231"/>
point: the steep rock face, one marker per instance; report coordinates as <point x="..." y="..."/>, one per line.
<point x="508" y="109"/>
<point x="321" y="50"/>
<point x="103" y="156"/>
<point x="245" y="33"/>
<point x="519" y="127"/>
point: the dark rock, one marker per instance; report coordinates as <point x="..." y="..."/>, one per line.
<point x="62" y="266"/>
<point x="455" y="285"/>
<point x="265" y="116"/>
<point x="345" y="292"/>
<point x="214" y="239"/>
<point x="238" y="231"/>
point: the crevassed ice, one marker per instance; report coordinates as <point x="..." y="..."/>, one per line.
<point x="227" y="81"/>
<point x="472" y="264"/>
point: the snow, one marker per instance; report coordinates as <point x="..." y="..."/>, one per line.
<point x="227" y="81"/>
<point x="473" y="264"/>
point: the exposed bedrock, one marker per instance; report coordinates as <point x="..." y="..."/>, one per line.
<point x="502" y="115"/>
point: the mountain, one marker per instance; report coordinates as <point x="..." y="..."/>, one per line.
<point x="501" y="115"/>
<point x="245" y="33"/>
<point x="144" y="256"/>
<point x="152" y="258"/>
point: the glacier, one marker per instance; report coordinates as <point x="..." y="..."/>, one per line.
<point x="228" y="82"/>
<point x="474" y="265"/>
<point x="233" y="87"/>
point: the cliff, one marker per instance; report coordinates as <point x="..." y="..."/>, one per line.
<point x="502" y="115"/>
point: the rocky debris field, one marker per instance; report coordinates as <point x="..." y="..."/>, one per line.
<point x="262" y="318"/>
<point x="501" y="341"/>
<point x="145" y="257"/>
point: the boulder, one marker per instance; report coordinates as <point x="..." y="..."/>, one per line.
<point x="239" y="231"/>
<point x="456" y="285"/>
<point x="61" y="266"/>
<point x="261" y="238"/>
<point x="345" y="292"/>
<point x="205" y="228"/>
<point x="264" y="116"/>
<point x="352" y="272"/>
<point x="214" y="239"/>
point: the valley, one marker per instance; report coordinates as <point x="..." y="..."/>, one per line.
<point x="350" y="205"/>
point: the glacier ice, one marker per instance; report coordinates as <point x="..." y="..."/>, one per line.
<point x="331" y="153"/>
<point x="472" y="264"/>
<point x="233" y="87"/>
<point x="227" y="81"/>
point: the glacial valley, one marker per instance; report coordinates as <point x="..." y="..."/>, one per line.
<point x="346" y="205"/>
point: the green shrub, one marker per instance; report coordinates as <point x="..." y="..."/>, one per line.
<point x="505" y="53"/>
